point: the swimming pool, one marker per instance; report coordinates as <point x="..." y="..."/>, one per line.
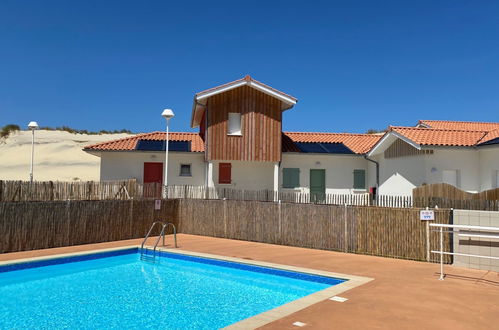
<point x="117" y="290"/>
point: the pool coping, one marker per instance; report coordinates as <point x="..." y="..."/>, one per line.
<point x="352" y="281"/>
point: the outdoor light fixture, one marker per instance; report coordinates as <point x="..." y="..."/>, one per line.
<point x="33" y="125"/>
<point x="167" y="114"/>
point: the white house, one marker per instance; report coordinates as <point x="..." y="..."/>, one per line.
<point x="463" y="154"/>
<point x="241" y="145"/>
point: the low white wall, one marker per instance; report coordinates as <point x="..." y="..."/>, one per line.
<point x="477" y="246"/>
<point x="130" y="165"/>
<point x="339" y="170"/>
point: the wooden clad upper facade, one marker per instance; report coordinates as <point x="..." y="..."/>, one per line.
<point x="261" y="126"/>
<point x="260" y="108"/>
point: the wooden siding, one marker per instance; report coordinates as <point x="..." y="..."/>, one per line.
<point x="400" y="148"/>
<point x="260" y="126"/>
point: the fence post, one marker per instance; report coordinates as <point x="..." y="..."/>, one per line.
<point x="1" y="190"/>
<point x="225" y="216"/>
<point x="51" y="185"/>
<point x="346" y="229"/>
<point x="427" y="241"/>
<point x="279" y="219"/>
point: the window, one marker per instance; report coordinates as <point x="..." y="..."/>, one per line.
<point x="359" y="179"/>
<point x="185" y="170"/>
<point x="234" y="127"/>
<point x="290" y="177"/>
<point x="224" y="173"/>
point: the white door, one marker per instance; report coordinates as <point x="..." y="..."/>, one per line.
<point x="450" y="177"/>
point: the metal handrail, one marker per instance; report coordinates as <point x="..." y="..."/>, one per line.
<point x="161" y="234"/>
<point x="150" y="230"/>
<point x="469" y="231"/>
<point x="174" y="233"/>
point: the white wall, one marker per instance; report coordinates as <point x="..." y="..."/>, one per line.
<point x="247" y="175"/>
<point x="130" y="165"/>
<point x="489" y="167"/>
<point x="465" y="160"/>
<point x="398" y="176"/>
<point x="339" y="170"/>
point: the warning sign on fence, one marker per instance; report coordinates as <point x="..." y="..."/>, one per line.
<point x="426" y="215"/>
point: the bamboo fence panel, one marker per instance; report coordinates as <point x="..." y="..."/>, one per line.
<point x="449" y="192"/>
<point x="381" y="231"/>
<point x="38" y="225"/>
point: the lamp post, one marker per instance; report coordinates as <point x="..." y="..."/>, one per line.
<point x="33" y="125"/>
<point x="167" y="114"/>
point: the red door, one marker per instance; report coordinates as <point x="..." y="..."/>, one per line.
<point x="153" y="179"/>
<point x="153" y="172"/>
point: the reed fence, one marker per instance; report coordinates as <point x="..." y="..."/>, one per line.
<point x="121" y="190"/>
<point x="461" y="204"/>
<point x="447" y="191"/>
<point x="447" y="196"/>
<point x="357" y="199"/>
<point x="39" y="225"/>
<point x="11" y="191"/>
<point x="380" y="231"/>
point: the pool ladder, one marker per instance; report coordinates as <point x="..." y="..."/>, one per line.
<point x="144" y="255"/>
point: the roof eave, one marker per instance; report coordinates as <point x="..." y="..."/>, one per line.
<point x="387" y="137"/>
<point x="201" y="98"/>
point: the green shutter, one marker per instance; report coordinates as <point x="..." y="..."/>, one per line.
<point x="359" y="179"/>
<point x="290" y="177"/>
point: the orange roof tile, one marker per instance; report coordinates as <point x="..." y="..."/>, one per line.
<point x="358" y="143"/>
<point x="440" y="137"/>
<point x="491" y="135"/>
<point x="460" y="125"/>
<point x="129" y="143"/>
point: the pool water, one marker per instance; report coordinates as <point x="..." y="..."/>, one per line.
<point x="121" y="291"/>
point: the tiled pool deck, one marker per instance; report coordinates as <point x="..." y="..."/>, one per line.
<point x="403" y="294"/>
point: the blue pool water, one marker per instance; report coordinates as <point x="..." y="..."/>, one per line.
<point x="118" y="290"/>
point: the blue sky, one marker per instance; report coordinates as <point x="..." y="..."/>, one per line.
<point x="353" y="65"/>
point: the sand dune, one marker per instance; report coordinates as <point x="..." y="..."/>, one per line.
<point x="58" y="156"/>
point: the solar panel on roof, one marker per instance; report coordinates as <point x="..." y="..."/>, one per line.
<point x="323" y="148"/>
<point x="336" y="148"/>
<point x="156" y="145"/>
<point x="310" y="147"/>
<point x="493" y="141"/>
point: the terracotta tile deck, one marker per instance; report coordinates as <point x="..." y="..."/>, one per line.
<point x="403" y="295"/>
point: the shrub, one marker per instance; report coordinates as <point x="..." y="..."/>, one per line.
<point x="7" y="129"/>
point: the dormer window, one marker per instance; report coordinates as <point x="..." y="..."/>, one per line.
<point x="234" y="127"/>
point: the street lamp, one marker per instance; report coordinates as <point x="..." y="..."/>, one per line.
<point x="33" y="125"/>
<point x="167" y="114"/>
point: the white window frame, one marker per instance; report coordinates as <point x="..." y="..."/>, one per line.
<point x="180" y="170"/>
<point x="234" y="118"/>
